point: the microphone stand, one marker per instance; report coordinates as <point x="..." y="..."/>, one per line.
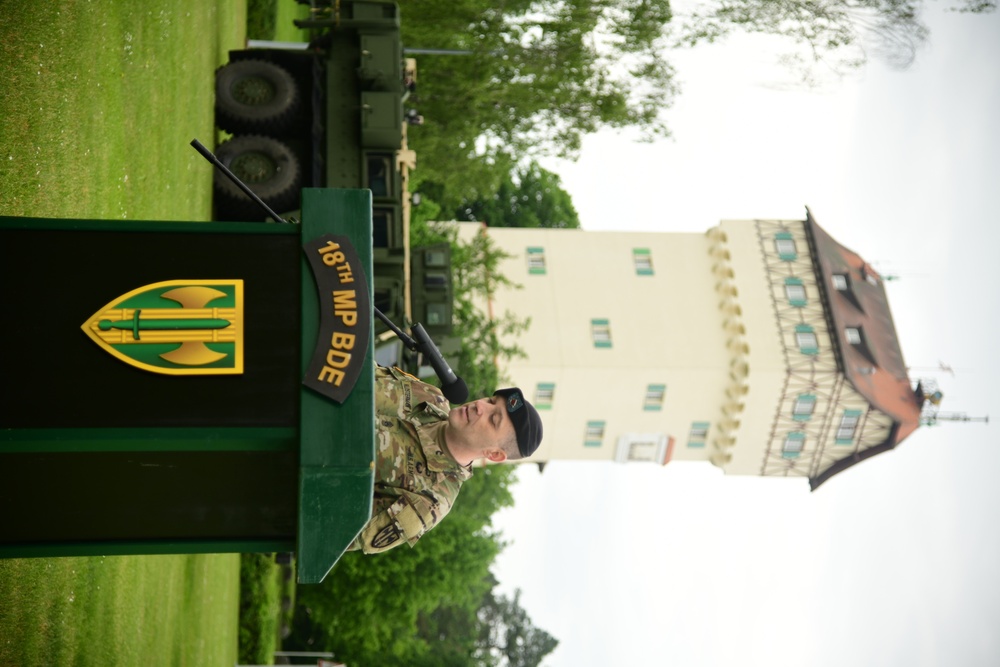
<point x="408" y="342"/>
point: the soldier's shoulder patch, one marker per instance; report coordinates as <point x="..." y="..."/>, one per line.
<point x="386" y="537"/>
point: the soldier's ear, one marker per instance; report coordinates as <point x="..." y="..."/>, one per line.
<point x="496" y="455"/>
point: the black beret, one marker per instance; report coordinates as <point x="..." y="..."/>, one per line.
<point x="527" y="423"/>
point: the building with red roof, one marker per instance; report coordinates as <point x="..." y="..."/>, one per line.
<point x="763" y="346"/>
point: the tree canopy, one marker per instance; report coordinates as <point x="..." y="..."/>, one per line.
<point x="507" y="635"/>
<point x="530" y="197"/>
<point x="536" y="78"/>
<point x="446" y="572"/>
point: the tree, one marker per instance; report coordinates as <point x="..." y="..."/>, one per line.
<point x="508" y="635"/>
<point x="487" y="340"/>
<point x="448" y="568"/>
<point x="531" y="197"/>
<point x="538" y="77"/>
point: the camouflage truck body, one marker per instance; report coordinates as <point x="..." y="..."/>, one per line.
<point x="330" y="115"/>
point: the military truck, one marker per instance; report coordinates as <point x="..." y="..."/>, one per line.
<point x="331" y="115"/>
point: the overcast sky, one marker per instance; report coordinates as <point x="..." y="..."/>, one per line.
<point x="895" y="561"/>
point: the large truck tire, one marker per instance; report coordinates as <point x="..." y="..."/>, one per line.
<point x="255" y="96"/>
<point x="267" y="166"/>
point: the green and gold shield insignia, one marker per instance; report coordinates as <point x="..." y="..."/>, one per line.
<point x="177" y="327"/>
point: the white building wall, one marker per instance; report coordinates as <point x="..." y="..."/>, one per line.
<point x="666" y="329"/>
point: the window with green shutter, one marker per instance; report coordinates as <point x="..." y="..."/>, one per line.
<point x="536" y="260"/>
<point x="594" y="436"/>
<point x="794" y="442"/>
<point x="643" y="261"/>
<point x="784" y="245"/>
<point x="803" y="408"/>
<point x="795" y="291"/>
<point x="805" y="338"/>
<point x="600" y="330"/>
<point x="847" y="427"/>
<point x="698" y="434"/>
<point x="545" y="392"/>
<point x="653" y="401"/>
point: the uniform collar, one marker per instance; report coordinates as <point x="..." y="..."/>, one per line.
<point x="439" y="459"/>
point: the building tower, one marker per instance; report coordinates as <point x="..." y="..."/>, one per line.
<point x="763" y="346"/>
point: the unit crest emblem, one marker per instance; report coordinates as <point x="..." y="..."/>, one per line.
<point x="176" y="327"/>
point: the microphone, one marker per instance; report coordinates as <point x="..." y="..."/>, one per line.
<point x="452" y="386"/>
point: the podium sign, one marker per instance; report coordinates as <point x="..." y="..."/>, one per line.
<point x="161" y="385"/>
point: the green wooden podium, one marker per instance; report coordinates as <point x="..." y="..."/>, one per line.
<point x="180" y="387"/>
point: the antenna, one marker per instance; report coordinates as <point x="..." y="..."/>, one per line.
<point x="941" y="367"/>
<point x="930" y="396"/>
<point x="933" y="419"/>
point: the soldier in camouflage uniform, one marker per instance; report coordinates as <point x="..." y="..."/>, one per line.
<point x="424" y="451"/>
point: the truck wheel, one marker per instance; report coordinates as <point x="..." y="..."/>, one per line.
<point x="255" y="96"/>
<point x="267" y="166"/>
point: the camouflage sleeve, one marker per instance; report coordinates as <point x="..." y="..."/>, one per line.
<point x="401" y="516"/>
<point x="388" y="393"/>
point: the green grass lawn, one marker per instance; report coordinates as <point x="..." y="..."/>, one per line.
<point x="99" y="102"/>
<point x="124" y="610"/>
